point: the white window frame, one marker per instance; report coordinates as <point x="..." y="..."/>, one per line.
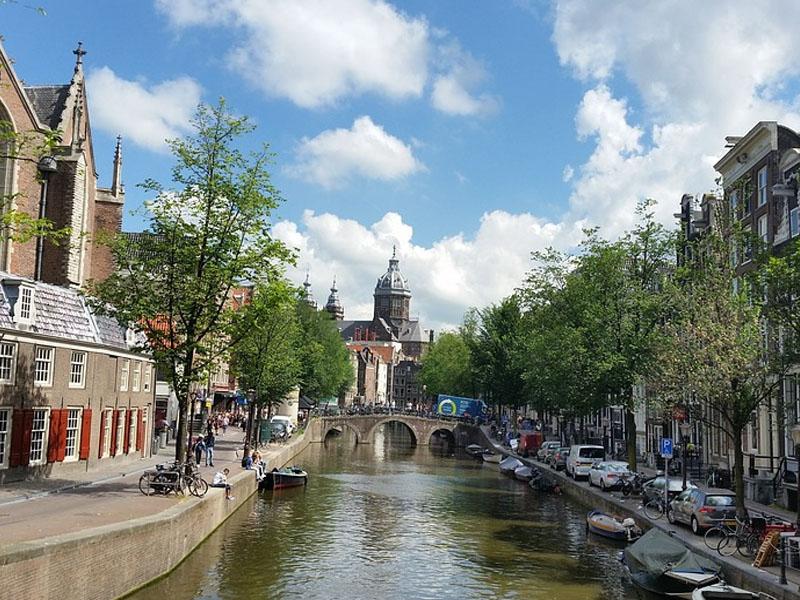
<point x="137" y="375"/>
<point x="44" y="431"/>
<point x="44" y="355"/>
<point x="120" y="427"/>
<point x="148" y="374"/>
<point x="124" y="374"/>
<point x="762" y="228"/>
<point x="74" y="422"/>
<point x="144" y="429"/>
<point x="6" y="422"/>
<point x="762" y="186"/>
<point x="747" y="245"/>
<point x="794" y="222"/>
<point x="11" y="357"/>
<point x="734" y="198"/>
<point x="25" y="308"/>
<point x="132" y="430"/>
<point x="77" y="370"/>
<point x="108" y="427"/>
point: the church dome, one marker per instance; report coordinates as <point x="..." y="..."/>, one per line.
<point x="334" y="305"/>
<point x="392" y="282"/>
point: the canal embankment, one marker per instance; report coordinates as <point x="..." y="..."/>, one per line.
<point x="736" y="571"/>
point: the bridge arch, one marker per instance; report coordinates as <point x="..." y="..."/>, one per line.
<point x="364" y="426"/>
<point x="331" y="424"/>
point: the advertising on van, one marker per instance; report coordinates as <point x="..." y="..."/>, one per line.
<point x="455" y="406"/>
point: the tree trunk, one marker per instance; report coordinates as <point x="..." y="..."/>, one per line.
<point x="738" y="473"/>
<point x="630" y="434"/>
<point x="184" y="401"/>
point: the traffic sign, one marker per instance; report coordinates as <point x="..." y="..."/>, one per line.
<point x="666" y="447"/>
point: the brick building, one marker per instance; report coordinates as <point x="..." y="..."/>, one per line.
<point x="73" y="393"/>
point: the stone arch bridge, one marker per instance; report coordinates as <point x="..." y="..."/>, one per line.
<point x="364" y="427"/>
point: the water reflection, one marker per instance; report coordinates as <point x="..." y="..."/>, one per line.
<point x="393" y="520"/>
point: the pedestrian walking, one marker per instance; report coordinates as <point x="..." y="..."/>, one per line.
<point x="210" y="450"/>
<point x="224" y="424"/>
<point x="199" y="449"/>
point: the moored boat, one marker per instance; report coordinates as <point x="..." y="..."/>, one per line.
<point x="723" y="591"/>
<point x="661" y="564"/>
<point x="491" y="457"/>
<point x="525" y="473"/>
<point x="609" y="526"/>
<point x="283" y="478"/>
<point x="509" y="464"/>
<point x="474" y="449"/>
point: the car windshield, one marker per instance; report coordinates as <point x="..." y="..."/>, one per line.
<point x="617" y="467"/>
<point x="591" y="453"/>
<point x="720" y="500"/>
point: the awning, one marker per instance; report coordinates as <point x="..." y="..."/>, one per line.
<point x="305" y="403"/>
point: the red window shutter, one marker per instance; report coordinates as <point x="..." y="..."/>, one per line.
<point x="62" y="445"/>
<point x="127" y="435"/>
<point x="139" y="431"/>
<point x="17" y="428"/>
<point x="86" y="433"/>
<point x="27" y="426"/>
<point x="102" y="433"/>
<point x="54" y="435"/>
<point x="114" y="432"/>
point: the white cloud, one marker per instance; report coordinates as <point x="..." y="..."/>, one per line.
<point x="446" y="278"/>
<point x="365" y="149"/>
<point x="317" y="52"/>
<point x="145" y="115"/>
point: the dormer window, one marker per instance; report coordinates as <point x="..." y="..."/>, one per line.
<point x="25" y="310"/>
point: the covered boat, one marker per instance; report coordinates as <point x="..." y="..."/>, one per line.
<point x="474" y="449"/>
<point x="661" y="564"/>
<point x="491" y="457"/>
<point x="525" y="473"/>
<point x="723" y="591"/>
<point x="283" y="478"/>
<point x="509" y="464"/>
<point x="606" y="525"/>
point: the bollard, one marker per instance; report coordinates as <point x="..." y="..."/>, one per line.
<point x="782" y="552"/>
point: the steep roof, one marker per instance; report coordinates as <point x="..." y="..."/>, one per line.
<point x="48" y="102"/>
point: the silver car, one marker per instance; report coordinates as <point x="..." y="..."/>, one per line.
<point x="607" y="475"/>
<point x="701" y="509"/>
<point x="654" y="488"/>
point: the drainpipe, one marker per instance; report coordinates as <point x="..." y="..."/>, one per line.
<point x="47" y="165"/>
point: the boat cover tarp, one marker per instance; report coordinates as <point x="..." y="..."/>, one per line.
<point x="656" y="553"/>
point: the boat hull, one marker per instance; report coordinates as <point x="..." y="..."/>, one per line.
<point x="278" y="480"/>
<point x="607" y="526"/>
<point x="492" y="457"/>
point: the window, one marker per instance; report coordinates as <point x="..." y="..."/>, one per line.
<point x="120" y="431"/>
<point x="734" y="197"/>
<point x="747" y="242"/>
<point x="73" y="433"/>
<point x="25" y="302"/>
<point x="148" y="370"/>
<point x="132" y="430"/>
<point x="38" y="436"/>
<point x="108" y="423"/>
<point x="77" y="370"/>
<point x="794" y="223"/>
<point x="8" y="353"/>
<point x="123" y="378"/>
<point x="762" y="228"/>
<point x="5" y="431"/>
<point x="762" y="186"/>
<point x="43" y="366"/>
<point x="137" y="376"/>
<point x="144" y="425"/>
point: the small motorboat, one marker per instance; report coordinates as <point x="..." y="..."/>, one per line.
<point x="609" y="526"/>
<point x="287" y="477"/>
<point x="723" y="591"/>
<point x="491" y="457"/>
<point x="543" y="483"/>
<point x="661" y="564"/>
<point x="474" y="450"/>
<point x="509" y="464"/>
<point x="525" y="473"/>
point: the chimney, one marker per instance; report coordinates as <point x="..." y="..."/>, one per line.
<point x="430" y="335"/>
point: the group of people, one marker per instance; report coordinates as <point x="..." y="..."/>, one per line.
<point x="253" y="461"/>
<point x="204" y="446"/>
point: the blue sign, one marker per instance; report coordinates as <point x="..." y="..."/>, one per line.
<point x="666" y="447"/>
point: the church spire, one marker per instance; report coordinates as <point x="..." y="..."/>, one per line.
<point x="116" y="183"/>
<point x="308" y="297"/>
<point x="334" y="305"/>
<point x="79" y="52"/>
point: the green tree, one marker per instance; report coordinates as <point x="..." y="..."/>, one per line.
<point x="325" y="368"/>
<point x="205" y="237"/>
<point x="266" y="358"/>
<point x="447" y="367"/>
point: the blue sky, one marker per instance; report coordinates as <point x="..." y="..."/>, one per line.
<point x="466" y="132"/>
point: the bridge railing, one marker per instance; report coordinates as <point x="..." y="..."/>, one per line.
<point x="385" y="412"/>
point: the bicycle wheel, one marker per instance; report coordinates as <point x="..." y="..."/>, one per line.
<point x="748" y="545"/>
<point x="654" y="509"/>
<point x="144" y="485"/>
<point x="198" y="487"/>
<point x="728" y="545"/>
<point x="713" y="536"/>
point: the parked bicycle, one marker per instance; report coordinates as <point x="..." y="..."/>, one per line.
<point x="714" y="534"/>
<point x="174" y="478"/>
<point x="655" y="509"/>
<point x="633" y="484"/>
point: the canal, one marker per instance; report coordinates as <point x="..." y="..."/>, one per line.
<point x="391" y="521"/>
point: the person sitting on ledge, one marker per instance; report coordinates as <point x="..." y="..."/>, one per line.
<point x="221" y="481"/>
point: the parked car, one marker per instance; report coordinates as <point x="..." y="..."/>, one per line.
<point x="655" y="488"/>
<point x="287" y="421"/>
<point x="558" y="459"/>
<point x="608" y="474"/>
<point x="581" y="458"/>
<point x="701" y="509"/>
<point x="542" y="452"/>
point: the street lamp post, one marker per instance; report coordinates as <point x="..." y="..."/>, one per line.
<point x="796" y="440"/>
<point x="685" y="429"/>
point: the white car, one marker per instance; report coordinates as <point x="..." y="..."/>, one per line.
<point x="285" y="420"/>
<point x="607" y="475"/>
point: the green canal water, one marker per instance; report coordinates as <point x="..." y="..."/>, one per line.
<point x="395" y="521"/>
